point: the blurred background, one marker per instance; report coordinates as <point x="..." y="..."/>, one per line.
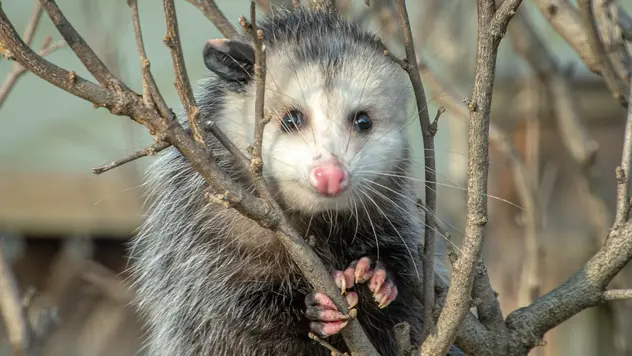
<point x="556" y="127"/>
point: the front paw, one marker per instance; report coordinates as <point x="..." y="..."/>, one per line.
<point x="360" y="271"/>
<point x="325" y="318"/>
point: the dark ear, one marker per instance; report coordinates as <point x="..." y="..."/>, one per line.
<point x="230" y="60"/>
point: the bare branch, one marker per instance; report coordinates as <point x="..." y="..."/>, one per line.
<point x="617" y="294"/>
<point x="87" y="56"/>
<point x="596" y="45"/>
<point x="325" y="344"/>
<point x="428" y="134"/>
<point x="11" y="308"/>
<point x="209" y="126"/>
<point x="402" y="336"/>
<point x="577" y="138"/>
<point x="183" y="85"/>
<point x="623" y="174"/>
<point x="33" y="23"/>
<point x="565" y="19"/>
<point x="18" y="70"/>
<point x="68" y="81"/>
<point x="583" y="290"/>
<point x="256" y="161"/>
<point x="151" y="94"/>
<point x="216" y="16"/>
<point x="472" y="336"/>
<point x="491" y="28"/>
<point x="149" y="151"/>
<point x="625" y="23"/>
<point x="607" y="14"/>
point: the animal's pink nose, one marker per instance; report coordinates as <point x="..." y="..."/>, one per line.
<point x="329" y="179"/>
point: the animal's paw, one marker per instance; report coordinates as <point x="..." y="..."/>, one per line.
<point x="325" y="319"/>
<point x="360" y="271"/>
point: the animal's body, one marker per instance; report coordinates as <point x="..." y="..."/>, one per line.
<point x="213" y="283"/>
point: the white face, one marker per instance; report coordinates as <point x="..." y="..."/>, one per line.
<point x="356" y="119"/>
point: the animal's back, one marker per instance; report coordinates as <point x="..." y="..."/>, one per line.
<point x="211" y="282"/>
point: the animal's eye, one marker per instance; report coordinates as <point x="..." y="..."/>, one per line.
<point x="362" y="122"/>
<point x="292" y="121"/>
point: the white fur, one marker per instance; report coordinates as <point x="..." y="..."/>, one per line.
<point x="370" y="83"/>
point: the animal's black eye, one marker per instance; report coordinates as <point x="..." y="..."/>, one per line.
<point x="292" y="121"/>
<point x="362" y="122"/>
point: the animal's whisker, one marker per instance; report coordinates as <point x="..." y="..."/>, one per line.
<point x="442" y="184"/>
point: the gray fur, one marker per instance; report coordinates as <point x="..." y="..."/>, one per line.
<point x="211" y="282"/>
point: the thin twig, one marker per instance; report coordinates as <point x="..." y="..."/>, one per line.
<point x="11" y="308"/>
<point x="611" y="36"/>
<point x="617" y="294"/>
<point x="90" y="60"/>
<point x="29" y="33"/>
<point x="31" y="27"/>
<point x="492" y="25"/>
<point x="402" y="336"/>
<point x="623" y="173"/>
<point x="149" y="151"/>
<point x="151" y="93"/>
<point x="531" y="219"/>
<point x="183" y="85"/>
<point x="575" y="135"/>
<point x="256" y="160"/>
<point x="585" y="288"/>
<point x="18" y="70"/>
<point x="209" y="126"/>
<point x="582" y="290"/>
<point x="325" y="344"/>
<point x="428" y="133"/>
<point x="605" y="65"/>
<point x="565" y="19"/>
<point x="216" y="16"/>
<point x="625" y="23"/>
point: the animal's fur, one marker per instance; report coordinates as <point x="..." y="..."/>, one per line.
<point x="213" y="283"/>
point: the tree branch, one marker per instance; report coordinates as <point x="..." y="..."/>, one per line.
<point x="11" y="308"/>
<point x="149" y="151"/>
<point x="583" y="290"/>
<point x="183" y="85"/>
<point x="256" y="161"/>
<point x="87" y="56"/>
<point x="428" y="133"/>
<point x="566" y="20"/>
<point x="491" y="28"/>
<point x="151" y="94"/>
<point x="623" y="173"/>
<point x="29" y="33"/>
<point x="625" y="23"/>
<point x="216" y="16"/>
<point x="17" y="70"/>
<point x="577" y="138"/>
<point x="603" y="61"/>
<point x="617" y="294"/>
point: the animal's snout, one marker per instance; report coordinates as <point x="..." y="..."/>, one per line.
<point x="329" y="178"/>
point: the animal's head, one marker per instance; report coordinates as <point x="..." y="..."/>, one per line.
<point x="338" y="108"/>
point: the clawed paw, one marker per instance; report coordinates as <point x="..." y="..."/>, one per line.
<point x="325" y="318"/>
<point x="360" y="271"/>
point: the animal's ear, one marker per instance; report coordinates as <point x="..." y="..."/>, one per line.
<point x="231" y="60"/>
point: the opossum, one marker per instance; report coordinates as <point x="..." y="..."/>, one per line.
<point x="211" y="282"/>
